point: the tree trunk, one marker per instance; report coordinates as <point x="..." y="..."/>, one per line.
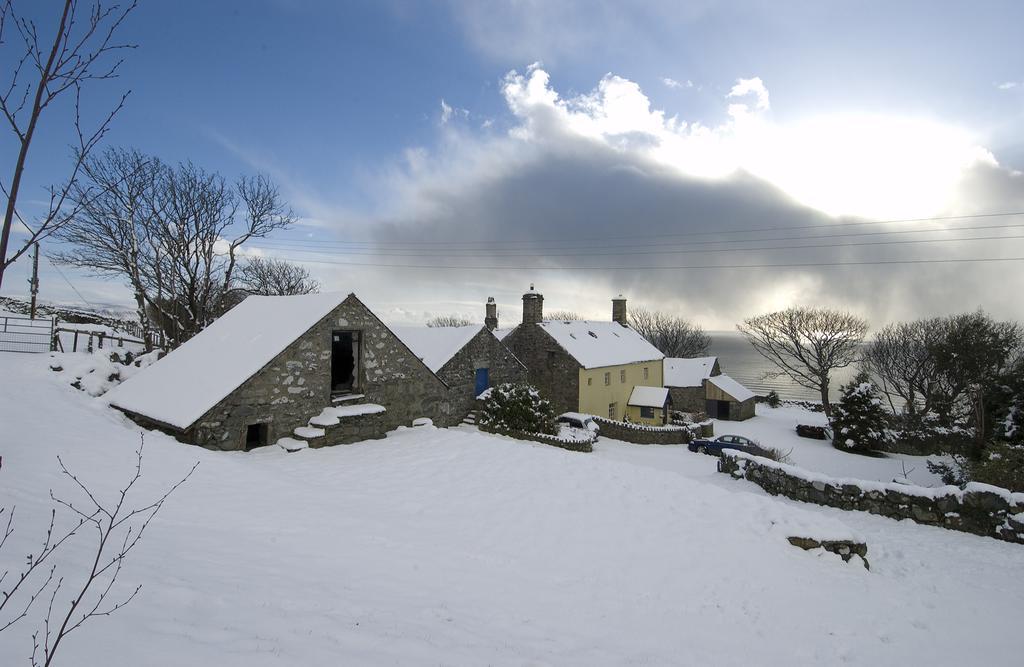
<point x="824" y="397"/>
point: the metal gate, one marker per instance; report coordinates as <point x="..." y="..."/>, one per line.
<point x="23" y="334"/>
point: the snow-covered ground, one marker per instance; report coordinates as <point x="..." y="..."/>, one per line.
<point x="456" y="547"/>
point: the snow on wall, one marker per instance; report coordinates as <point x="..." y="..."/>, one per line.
<point x="981" y="509"/>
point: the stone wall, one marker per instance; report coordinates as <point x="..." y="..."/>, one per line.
<point x="543" y="438"/>
<point x="640" y="434"/>
<point x="550" y="368"/>
<point x="295" y="385"/>
<point x="979" y="508"/>
<point x="483" y="351"/>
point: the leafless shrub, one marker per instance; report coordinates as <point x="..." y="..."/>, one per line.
<point x="673" y="336"/>
<point x="448" y="321"/>
<point x="117" y="529"/>
<point x="274" y="277"/>
<point x="564" y="316"/>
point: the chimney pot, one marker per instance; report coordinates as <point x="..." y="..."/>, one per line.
<point x="491" y="319"/>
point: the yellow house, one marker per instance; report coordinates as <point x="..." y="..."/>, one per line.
<point x="605" y="391"/>
<point x="584" y="365"/>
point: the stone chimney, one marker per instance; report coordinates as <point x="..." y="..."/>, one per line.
<point x="491" y="320"/>
<point x="619" y="310"/>
<point x="533" y="307"/>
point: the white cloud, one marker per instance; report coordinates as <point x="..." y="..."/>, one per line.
<point x="842" y="164"/>
<point x="1008" y="85"/>
<point x="448" y="112"/>
<point x="672" y="83"/>
<point x="753" y="86"/>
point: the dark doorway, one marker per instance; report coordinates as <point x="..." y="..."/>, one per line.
<point x="344" y="360"/>
<point x="723" y="409"/>
<point x="255" y="436"/>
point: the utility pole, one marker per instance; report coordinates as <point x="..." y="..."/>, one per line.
<point x="34" y="281"/>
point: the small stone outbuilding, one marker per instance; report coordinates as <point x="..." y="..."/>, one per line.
<point x="296" y="370"/>
<point x="728" y="399"/>
<point x="686" y="379"/>
<point x="469" y="359"/>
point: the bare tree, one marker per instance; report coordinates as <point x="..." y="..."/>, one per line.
<point x="43" y="71"/>
<point x="173" y="234"/>
<point x="113" y="232"/>
<point x="807" y="344"/>
<point x="900" y="359"/>
<point x="448" y="321"/>
<point x="274" y="277"/>
<point x="673" y="336"/>
<point x="564" y="316"/>
<point x="118" y="528"/>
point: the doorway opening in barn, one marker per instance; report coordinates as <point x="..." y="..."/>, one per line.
<point x="344" y="361"/>
<point x="255" y="436"/>
<point x="722" y="410"/>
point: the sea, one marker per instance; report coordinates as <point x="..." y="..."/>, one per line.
<point x="739" y="360"/>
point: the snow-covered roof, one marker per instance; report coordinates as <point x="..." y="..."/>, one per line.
<point x="184" y="385"/>
<point x="597" y="344"/>
<point x="436" y="345"/>
<point x="688" y="372"/>
<point x="501" y="333"/>
<point x="648" y="397"/>
<point x="731" y="387"/>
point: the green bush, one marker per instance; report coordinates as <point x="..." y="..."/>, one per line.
<point x="518" y="407"/>
<point x="1002" y="466"/>
<point x="859" y="421"/>
<point x="772" y="399"/>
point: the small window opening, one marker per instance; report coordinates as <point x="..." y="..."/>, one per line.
<point x="622" y="375"/>
<point x="647" y="413"/>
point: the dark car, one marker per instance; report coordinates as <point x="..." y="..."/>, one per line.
<point x="715" y="446"/>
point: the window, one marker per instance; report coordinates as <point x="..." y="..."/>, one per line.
<point x="622" y="375"/>
<point x="647" y="372"/>
<point x="590" y="381"/>
<point x="647" y="413"/>
<point x="607" y="379"/>
<point x="613" y="409"/>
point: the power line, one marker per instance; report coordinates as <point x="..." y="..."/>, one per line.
<point x="660" y="268"/>
<point x="665" y="252"/>
<point x="749" y="230"/>
<point x="61" y="273"/>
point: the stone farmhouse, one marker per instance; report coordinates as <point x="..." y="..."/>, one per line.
<point x="698" y="385"/>
<point x="309" y="370"/>
<point x="587" y="366"/>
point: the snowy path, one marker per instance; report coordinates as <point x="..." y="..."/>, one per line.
<point x="456" y="547"/>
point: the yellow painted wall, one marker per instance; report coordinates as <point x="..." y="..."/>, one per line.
<point x="595" y="396"/>
<point x="659" y="418"/>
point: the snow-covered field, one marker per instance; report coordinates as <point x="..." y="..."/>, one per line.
<point x="460" y="548"/>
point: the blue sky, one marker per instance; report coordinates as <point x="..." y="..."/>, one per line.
<point x="341" y="102"/>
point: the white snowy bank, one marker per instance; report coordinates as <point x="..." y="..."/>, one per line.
<point x="455" y="547"/>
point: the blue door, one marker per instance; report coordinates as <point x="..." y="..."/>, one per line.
<point x="482" y="381"/>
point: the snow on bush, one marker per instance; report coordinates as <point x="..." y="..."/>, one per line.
<point x="859" y="420"/>
<point x="99" y="371"/>
<point x="518" y="407"/>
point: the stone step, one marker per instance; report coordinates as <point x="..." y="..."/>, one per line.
<point x="309" y="432"/>
<point x="292" y="444"/>
<point x="345" y="398"/>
